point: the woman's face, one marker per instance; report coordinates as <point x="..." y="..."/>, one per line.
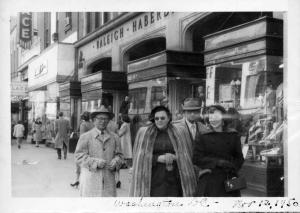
<point x="161" y="119"/>
<point x="215" y="118"/>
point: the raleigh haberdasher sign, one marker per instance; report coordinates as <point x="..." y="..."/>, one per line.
<point x="25" y="30"/>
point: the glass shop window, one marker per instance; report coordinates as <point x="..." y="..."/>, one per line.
<point x="158" y="96"/>
<point x="228" y="82"/>
<point x="257" y="84"/>
<point x="137" y="100"/>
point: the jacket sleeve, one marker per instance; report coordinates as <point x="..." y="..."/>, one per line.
<point x="238" y="158"/>
<point x="82" y="156"/>
<point x="118" y="155"/>
<point x="122" y="130"/>
<point x="56" y="127"/>
<point x="200" y="157"/>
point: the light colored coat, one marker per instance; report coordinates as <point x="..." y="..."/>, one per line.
<point x="125" y="136"/>
<point x="92" y="148"/>
<point x="62" y="128"/>
<point x="19" y="131"/>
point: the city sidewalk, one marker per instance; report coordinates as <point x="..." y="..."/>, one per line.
<point x="36" y="172"/>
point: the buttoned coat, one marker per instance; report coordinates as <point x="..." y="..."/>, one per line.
<point x="92" y="148"/>
<point x="62" y="128"/>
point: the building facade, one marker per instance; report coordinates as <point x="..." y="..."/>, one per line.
<point x="79" y="61"/>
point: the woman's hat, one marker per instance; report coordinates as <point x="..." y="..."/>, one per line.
<point x="102" y="110"/>
<point x="191" y="104"/>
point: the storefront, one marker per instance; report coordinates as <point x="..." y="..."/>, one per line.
<point x="106" y="88"/>
<point x="55" y="65"/>
<point x="244" y="71"/>
<point x="164" y="78"/>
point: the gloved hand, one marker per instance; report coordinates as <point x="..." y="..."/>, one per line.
<point x="225" y="164"/>
<point x="112" y="165"/>
<point x="101" y="163"/>
<point x="93" y="166"/>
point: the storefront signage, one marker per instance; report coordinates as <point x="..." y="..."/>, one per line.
<point x="232" y="53"/>
<point x="19" y="88"/>
<point x="25" y="30"/>
<point x="256" y="66"/>
<point x="41" y="69"/>
<point x="134" y="26"/>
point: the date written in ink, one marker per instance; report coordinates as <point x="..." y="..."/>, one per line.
<point x="280" y="203"/>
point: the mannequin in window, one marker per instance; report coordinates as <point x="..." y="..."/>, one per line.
<point x="270" y="99"/>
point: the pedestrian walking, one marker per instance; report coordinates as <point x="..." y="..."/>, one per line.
<point x="84" y="127"/>
<point x="19" y="133"/>
<point x="217" y="152"/>
<point x="162" y="164"/>
<point x="99" y="154"/>
<point x="191" y="113"/>
<point x="37" y="131"/>
<point x="62" y="130"/>
<point x="125" y="137"/>
<point x="124" y="106"/>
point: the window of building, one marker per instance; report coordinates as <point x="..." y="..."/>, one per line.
<point x="47" y="39"/>
<point x="68" y="21"/>
<point x="106" y="17"/>
<point x="137" y="100"/>
<point x="97" y="20"/>
<point x="88" y="22"/>
<point x="158" y="96"/>
<point x="47" y="24"/>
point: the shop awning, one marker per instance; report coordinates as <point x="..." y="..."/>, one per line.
<point x="167" y="63"/>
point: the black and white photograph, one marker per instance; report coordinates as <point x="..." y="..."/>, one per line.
<point x="157" y="103"/>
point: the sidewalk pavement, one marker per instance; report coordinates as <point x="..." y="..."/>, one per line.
<point x="36" y="172"/>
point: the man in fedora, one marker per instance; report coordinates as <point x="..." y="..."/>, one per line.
<point x="98" y="152"/>
<point x="191" y="115"/>
<point x="62" y="130"/>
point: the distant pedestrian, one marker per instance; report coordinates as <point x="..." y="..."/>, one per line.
<point x="99" y="154"/>
<point x="19" y="133"/>
<point x="85" y="126"/>
<point x="124" y="106"/>
<point x="62" y="129"/>
<point x="37" y="131"/>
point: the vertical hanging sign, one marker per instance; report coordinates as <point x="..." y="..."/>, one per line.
<point x="25" y="30"/>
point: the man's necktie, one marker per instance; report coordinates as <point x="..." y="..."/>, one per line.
<point x="193" y="130"/>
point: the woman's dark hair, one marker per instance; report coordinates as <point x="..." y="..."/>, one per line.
<point x="158" y="109"/>
<point x="211" y="109"/>
<point x="125" y="118"/>
<point x="19" y="122"/>
<point x="85" y="116"/>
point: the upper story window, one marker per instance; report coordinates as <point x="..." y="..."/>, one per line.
<point x="106" y="17"/>
<point x="68" y="21"/>
<point x="88" y="22"/>
<point x="97" y="20"/>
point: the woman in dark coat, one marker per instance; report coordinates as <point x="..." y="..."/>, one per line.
<point x="162" y="164"/>
<point x="218" y="152"/>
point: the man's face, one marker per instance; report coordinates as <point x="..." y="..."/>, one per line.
<point x="101" y="121"/>
<point x="192" y="115"/>
<point x="126" y="98"/>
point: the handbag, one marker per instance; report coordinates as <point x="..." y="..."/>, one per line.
<point x="235" y="183"/>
